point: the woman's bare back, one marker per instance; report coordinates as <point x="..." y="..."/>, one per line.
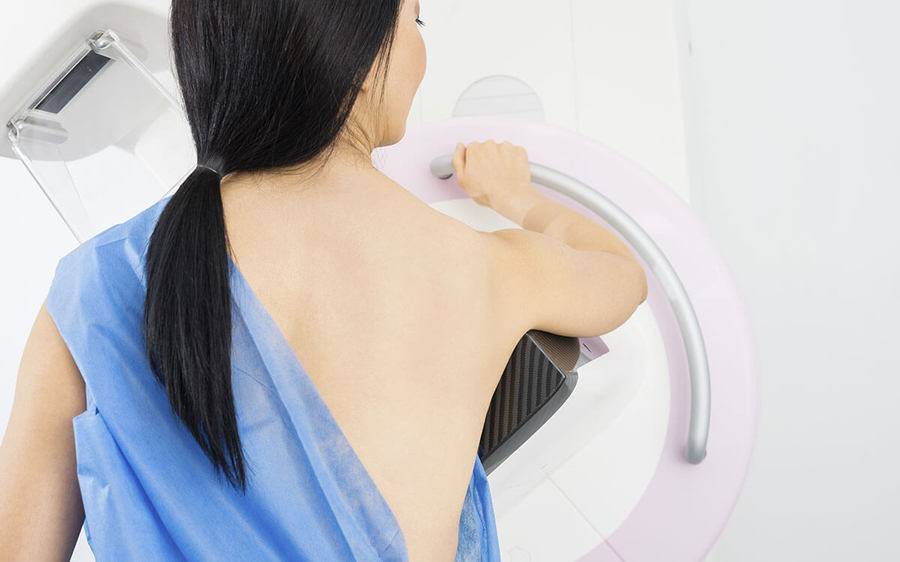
<point x="403" y="318"/>
<point x="387" y="305"/>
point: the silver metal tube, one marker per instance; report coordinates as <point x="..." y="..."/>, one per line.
<point x="644" y="245"/>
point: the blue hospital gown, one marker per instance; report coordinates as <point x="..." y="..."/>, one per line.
<point x="150" y="493"/>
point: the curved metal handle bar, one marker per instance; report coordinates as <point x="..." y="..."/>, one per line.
<point x="644" y="245"/>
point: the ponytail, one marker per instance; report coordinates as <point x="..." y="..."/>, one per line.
<point x="187" y="317"/>
<point x="266" y="86"/>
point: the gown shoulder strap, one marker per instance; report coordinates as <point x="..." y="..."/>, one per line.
<point x="95" y="300"/>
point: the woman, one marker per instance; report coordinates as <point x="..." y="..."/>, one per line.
<point x="190" y="444"/>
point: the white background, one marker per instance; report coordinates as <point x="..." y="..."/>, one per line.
<point x="794" y="144"/>
<point x="777" y="121"/>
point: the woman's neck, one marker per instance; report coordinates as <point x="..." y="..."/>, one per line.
<point x="346" y="166"/>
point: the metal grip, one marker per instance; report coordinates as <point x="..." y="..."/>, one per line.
<point x="643" y="244"/>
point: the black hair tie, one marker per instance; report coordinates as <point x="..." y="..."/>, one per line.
<point x="217" y="172"/>
<point x="214" y="164"/>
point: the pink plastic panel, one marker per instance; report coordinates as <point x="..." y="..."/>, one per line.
<point x="685" y="506"/>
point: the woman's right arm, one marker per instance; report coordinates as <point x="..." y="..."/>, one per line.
<point x="562" y="272"/>
<point x="41" y="511"/>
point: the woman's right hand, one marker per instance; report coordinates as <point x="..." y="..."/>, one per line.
<point x="491" y="172"/>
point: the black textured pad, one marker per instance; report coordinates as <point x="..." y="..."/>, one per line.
<point x="536" y="381"/>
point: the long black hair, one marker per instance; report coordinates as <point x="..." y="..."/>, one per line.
<point x="266" y="85"/>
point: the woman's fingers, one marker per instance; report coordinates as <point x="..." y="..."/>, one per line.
<point x="459" y="159"/>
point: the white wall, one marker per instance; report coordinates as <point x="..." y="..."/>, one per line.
<point x="608" y="70"/>
<point x="794" y="159"/>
